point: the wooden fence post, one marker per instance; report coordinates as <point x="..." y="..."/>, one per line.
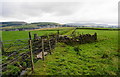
<point x="2" y="46"/>
<point x="31" y="54"/>
<point x="58" y="32"/>
<point x="35" y="36"/>
<point x="95" y="36"/>
<point x="57" y="36"/>
<point x="50" y="46"/>
<point x="42" y="48"/>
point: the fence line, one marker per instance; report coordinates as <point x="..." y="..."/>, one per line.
<point x="17" y="54"/>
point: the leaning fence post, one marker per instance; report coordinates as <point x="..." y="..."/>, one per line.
<point x="42" y="48"/>
<point x="31" y="54"/>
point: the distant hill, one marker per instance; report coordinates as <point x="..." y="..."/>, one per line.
<point x="19" y="25"/>
<point x="14" y="26"/>
<point x="14" y="23"/>
<point x="86" y="24"/>
<point x="91" y="25"/>
<point x="45" y="23"/>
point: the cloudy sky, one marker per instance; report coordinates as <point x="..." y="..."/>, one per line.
<point x="61" y="11"/>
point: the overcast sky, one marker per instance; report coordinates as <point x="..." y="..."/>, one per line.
<point x="61" y="11"/>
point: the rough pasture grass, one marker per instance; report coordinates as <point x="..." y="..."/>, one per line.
<point x="98" y="58"/>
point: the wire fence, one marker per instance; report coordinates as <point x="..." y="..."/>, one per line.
<point x="19" y="50"/>
<point x="16" y="51"/>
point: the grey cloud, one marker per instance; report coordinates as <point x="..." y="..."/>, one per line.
<point x="10" y="9"/>
<point x="13" y="9"/>
<point x="84" y="10"/>
<point x="55" y="8"/>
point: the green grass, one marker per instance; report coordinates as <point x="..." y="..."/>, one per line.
<point x="14" y="35"/>
<point x="10" y="37"/>
<point x="98" y="58"/>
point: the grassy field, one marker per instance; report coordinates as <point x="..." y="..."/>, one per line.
<point x="10" y="37"/>
<point x="19" y="39"/>
<point x="14" y="41"/>
<point x="14" y="35"/>
<point x="98" y="58"/>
